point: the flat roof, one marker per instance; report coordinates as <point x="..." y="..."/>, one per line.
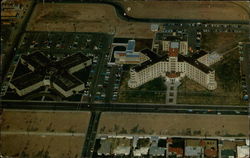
<point x="174" y="44"/>
<point x="105" y="147"/>
<point x="67" y="81"/>
<point x="199" y="54"/>
<point x="193" y="150"/>
<point x="155" y="150"/>
<point x="73" y="60"/>
<point x="154" y="58"/>
<point x="195" y="63"/>
<point x="152" y="55"/>
<point x="36" y="59"/>
<point x="9" y="13"/>
<point x="27" y="80"/>
<point x="149" y="62"/>
<point x="131" y="45"/>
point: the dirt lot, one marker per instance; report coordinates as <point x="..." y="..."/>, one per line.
<point x="85" y="18"/>
<point x="37" y="134"/>
<point x="173" y="124"/>
<point x="102" y="18"/>
<point x="45" y="121"/>
<point x="186" y="10"/>
<point x="41" y="147"/>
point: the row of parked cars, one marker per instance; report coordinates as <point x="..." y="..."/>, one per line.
<point x="117" y="83"/>
<point x="244" y="87"/>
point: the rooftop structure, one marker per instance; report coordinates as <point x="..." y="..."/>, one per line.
<point x="10" y="11"/>
<point x="121" y="146"/>
<point x="128" y="56"/>
<point x="214" y="57"/>
<point x="228" y="148"/>
<point x="227" y="153"/>
<point x="210" y="147"/>
<point x="154" y="27"/>
<point x="46" y="72"/>
<point x="158" y="66"/>
<point x="172" y="61"/>
<point x="175" y="147"/>
<point x="143" y="145"/>
<point x="243" y="151"/>
<point x="191" y="151"/>
<point x="114" y="146"/>
<point x="155" y="150"/>
<point x="164" y="41"/>
<point x="105" y="148"/>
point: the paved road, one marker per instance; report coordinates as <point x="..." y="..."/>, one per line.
<point x="91" y="135"/>
<point x="126" y="107"/>
<point x="15" y="37"/>
<point x="120" y="12"/>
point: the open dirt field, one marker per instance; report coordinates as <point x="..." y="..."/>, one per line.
<point x="102" y="18"/>
<point x="40" y="133"/>
<point x="41" y="147"/>
<point x="45" y="121"/>
<point x="187" y="10"/>
<point x="85" y="18"/>
<point x="173" y="124"/>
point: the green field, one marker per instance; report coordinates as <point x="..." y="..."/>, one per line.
<point x="228" y="91"/>
<point x="151" y="92"/>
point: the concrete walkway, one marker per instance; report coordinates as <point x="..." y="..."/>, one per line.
<point x="172" y="136"/>
<point x="171" y="93"/>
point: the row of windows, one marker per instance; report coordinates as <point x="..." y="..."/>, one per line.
<point x="160" y="67"/>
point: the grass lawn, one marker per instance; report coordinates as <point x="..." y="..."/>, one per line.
<point x="217" y="40"/>
<point x="228" y="91"/>
<point x="151" y="92"/>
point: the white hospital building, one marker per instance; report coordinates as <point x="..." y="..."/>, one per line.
<point x="173" y="63"/>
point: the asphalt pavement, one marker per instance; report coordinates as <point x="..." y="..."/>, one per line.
<point x="246" y="62"/>
<point x="126" y="107"/>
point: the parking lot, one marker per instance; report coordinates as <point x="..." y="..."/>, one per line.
<point x="102" y="80"/>
<point x="196" y="30"/>
<point x="245" y="72"/>
<point x="60" y="44"/>
<point x="108" y="78"/>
